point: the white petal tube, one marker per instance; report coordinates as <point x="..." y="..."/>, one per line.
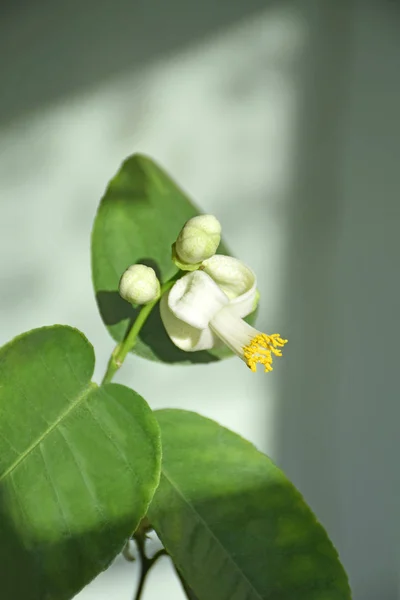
<point x="233" y="331"/>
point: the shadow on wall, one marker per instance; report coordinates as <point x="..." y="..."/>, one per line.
<point x="338" y="414"/>
<point x="67" y="47"/>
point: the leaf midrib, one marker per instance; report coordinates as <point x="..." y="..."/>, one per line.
<point x="71" y="406"/>
<point x="206" y="526"/>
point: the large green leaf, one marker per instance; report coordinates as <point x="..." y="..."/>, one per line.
<point x="138" y="220"/>
<point x="235" y="527"/>
<point x="78" y="465"/>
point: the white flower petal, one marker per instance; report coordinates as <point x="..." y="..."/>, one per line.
<point x="236" y="279"/>
<point x="185" y="336"/>
<point x="232" y="275"/>
<point x="245" y="304"/>
<point x="196" y="299"/>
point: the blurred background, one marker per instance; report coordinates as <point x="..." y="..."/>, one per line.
<point x="282" y="118"/>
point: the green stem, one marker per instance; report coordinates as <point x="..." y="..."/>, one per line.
<point x="145" y="563"/>
<point x="123" y="348"/>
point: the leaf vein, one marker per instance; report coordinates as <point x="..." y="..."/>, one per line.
<point x="81" y="471"/>
<point x="212" y="534"/>
<point x="111" y="439"/>
<point x="55" y="491"/>
<point x="80" y="398"/>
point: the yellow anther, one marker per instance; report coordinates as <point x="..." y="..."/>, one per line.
<point x="260" y="350"/>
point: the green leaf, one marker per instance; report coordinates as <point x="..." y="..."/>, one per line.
<point x="234" y="525"/>
<point x="139" y="218"/>
<point x="78" y="465"/>
<point x="188" y="592"/>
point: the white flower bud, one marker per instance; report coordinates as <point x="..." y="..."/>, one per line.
<point x="139" y="285"/>
<point x="198" y="240"/>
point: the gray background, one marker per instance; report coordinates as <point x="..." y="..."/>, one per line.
<point x="282" y="118"/>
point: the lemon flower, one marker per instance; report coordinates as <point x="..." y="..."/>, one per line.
<point x="207" y="306"/>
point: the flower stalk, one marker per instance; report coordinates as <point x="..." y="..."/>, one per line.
<point x="122" y="349"/>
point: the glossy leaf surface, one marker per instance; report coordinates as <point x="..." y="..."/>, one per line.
<point x="78" y="465"/>
<point x="235" y="526"/>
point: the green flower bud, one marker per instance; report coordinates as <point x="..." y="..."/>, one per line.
<point x="197" y="241"/>
<point x="139" y="285"/>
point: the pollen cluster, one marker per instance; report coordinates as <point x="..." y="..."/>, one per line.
<point x="260" y="350"/>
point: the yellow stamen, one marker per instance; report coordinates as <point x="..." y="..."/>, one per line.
<point x="261" y="349"/>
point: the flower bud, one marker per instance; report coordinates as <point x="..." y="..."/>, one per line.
<point x="139" y="285"/>
<point x="198" y="240"/>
